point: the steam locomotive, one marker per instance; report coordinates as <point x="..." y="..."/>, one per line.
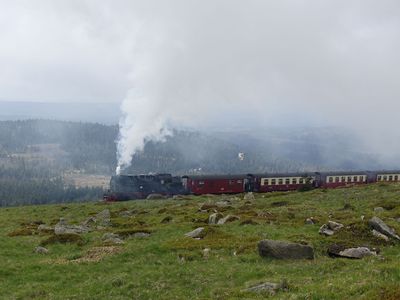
<point x="127" y="187"/>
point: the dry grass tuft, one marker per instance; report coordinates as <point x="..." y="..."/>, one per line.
<point x="63" y="239"/>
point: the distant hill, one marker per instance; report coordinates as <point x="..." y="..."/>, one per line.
<point x="104" y="113"/>
<point x="91" y="148"/>
<point x="44" y="161"/>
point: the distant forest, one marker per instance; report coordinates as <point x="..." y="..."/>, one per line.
<point x="35" y="154"/>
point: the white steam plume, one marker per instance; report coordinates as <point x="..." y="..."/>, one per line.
<point x="211" y="63"/>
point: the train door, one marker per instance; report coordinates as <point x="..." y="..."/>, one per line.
<point x="248" y="183"/>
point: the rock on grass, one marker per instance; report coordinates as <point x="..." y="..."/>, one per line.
<point x="227" y="219"/>
<point x="268" y="287"/>
<point x="198" y="233"/>
<point x="335" y="250"/>
<point x="380" y="226"/>
<point x="214" y="218"/>
<point x="284" y="250"/>
<point x="41" y="250"/>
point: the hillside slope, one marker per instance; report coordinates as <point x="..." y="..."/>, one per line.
<point x="156" y="260"/>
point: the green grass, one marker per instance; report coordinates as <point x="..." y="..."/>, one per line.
<point x="168" y="265"/>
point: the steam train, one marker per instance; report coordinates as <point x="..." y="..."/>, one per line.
<point x="129" y="187"/>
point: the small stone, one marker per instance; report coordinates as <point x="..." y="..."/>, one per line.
<point x="141" y="234"/>
<point x="223" y="203"/>
<point x="357" y="253"/>
<point x="112" y="238"/>
<point x="309" y="221"/>
<point x="63" y="228"/>
<point x="378" y="210"/>
<point x="380" y="226"/>
<point x="214" y="218"/>
<point x="330" y="228"/>
<point x="228" y="219"/>
<point x="324" y="229"/>
<point x="197" y="233"/>
<point x="110" y="235"/>
<point x="335" y="226"/>
<point x="41" y="250"/>
<point x="379" y="235"/>
<point x="268" y="287"/>
<point x="206" y="252"/>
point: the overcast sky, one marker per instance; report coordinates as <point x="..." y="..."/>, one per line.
<point x="190" y="62"/>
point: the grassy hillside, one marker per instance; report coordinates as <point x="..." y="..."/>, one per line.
<point x="168" y="265"/>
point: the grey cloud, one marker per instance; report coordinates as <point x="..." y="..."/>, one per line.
<point x="204" y="63"/>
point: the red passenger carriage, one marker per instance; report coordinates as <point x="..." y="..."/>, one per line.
<point x="215" y="184"/>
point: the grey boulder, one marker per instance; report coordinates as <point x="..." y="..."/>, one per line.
<point x="357" y="253"/>
<point x="63" y="228"/>
<point x="284" y="250"/>
<point x="41" y="250"/>
<point x="330" y="228"/>
<point x="379" y="235"/>
<point x="198" y="233"/>
<point x="380" y="226"/>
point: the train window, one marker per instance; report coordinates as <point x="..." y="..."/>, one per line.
<point x="355" y="178"/>
<point x="390" y="177"/>
<point x="273" y="181"/>
<point x="379" y="177"/>
<point x="287" y="181"/>
<point x="294" y="180"/>
<point x="349" y="179"/>
<point x="330" y="179"/>
<point x="396" y="177"/>
<point x="265" y="181"/>
<point x="384" y="178"/>
<point x="337" y="179"/>
<point x="280" y="181"/>
<point x="343" y="179"/>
